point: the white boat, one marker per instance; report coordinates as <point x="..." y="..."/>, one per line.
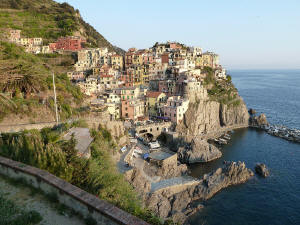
<point x="154" y="145"/>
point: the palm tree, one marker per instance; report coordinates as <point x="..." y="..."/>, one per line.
<point x="5" y="101"/>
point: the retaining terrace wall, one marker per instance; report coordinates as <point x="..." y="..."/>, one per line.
<point x="80" y="201"/>
<point x="21" y="127"/>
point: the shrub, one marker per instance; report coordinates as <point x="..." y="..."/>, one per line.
<point x="90" y="221"/>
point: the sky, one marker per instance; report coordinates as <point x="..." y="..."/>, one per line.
<point x="247" y="34"/>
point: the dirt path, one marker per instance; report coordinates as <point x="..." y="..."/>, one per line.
<point x="52" y="213"/>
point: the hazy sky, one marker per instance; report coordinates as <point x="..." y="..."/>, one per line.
<point x="245" y="33"/>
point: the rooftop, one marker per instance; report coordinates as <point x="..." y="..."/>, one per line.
<point x="82" y="136"/>
<point x="153" y="94"/>
<point x="160" y="155"/>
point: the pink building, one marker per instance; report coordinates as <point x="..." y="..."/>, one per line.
<point x="14" y="34"/>
<point x="70" y="43"/>
<point x="175" y="108"/>
<point x="165" y="58"/>
<point x="133" y="109"/>
<point x="148" y="58"/>
<point x="76" y="75"/>
<point x="175" y="46"/>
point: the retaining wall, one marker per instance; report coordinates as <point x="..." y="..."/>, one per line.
<point x="21" y="127"/>
<point x="80" y="201"/>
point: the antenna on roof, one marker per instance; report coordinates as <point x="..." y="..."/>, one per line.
<point x="55" y="103"/>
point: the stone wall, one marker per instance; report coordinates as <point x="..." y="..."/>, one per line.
<point x="73" y="197"/>
<point x="20" y="127"/>
<point x="154" y="128"/>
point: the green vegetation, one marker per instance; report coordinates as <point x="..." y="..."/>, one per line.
<point x="90" y="221"/>
<point x="222" y="91"/>
<point x="97" y="175"/>
<point x="11" y="214"/>
<point x="28" y="79"/>
<point x="49" y="20"/>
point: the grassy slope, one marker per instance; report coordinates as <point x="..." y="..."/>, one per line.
<point x="97" y="175"/>
<point x="15" y="63"/>
<point x="222" y="91"/>
<point x="11" y="214"/>
<point x="49" y="20"/>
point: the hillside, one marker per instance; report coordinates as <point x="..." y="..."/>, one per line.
<point x="26" y="86"/>
<point x="49" y="20"/>
<point x="26" y="91"/>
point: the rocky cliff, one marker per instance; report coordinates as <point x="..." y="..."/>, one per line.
<point x="206" y="119"/>
<point x="200" y="151"/>
<point x="178" y="206"/>
<point x="206" y="116"/>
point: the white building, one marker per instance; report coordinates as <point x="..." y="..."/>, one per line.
<point x="175" y="108"/>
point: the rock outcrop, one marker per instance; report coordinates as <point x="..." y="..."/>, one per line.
<point x="200" y="151"/>
<point x="180" y="205"/>
<point x="138" y="180"/>
<point x="252" y="111"/>
<point x="210" y="116"/>
<point x="258" y="121"/>
<point x="261" y="169"/>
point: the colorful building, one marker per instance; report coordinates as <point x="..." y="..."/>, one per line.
<point x="133" y="109"/>
<point x="70" y="43"/>
<point x="156" y="101"/>
<point x="175" y="108"/>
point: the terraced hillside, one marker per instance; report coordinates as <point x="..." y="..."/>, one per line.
<point x="49" y="20"/>
<point x="26" y="91"/>
<point x="26" y="86"/>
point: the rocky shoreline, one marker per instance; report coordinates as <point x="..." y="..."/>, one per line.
<point x="179" y="205"/>
<point x="281" y="132"/>
<point x="260" y="122"/>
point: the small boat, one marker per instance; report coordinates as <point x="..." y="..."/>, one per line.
<point x="227" y="137"/>
<point x="222" y="141"/>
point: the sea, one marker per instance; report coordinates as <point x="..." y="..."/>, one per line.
<point x="271" y="200"/>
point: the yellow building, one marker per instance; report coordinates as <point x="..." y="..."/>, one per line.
<point x="114" y="109"/>
<point x="137" y="73"/>
<point x="156" y="101"/>
<point x="137" y="59"/>
<point x="145" y="75"/>
<point x="117" y="62"/>
<point x="199" y="61"/>
<point x="210" y="59"/>
<point x="24" y="41"/>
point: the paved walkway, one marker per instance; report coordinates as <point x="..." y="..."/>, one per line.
<point x="25" y="198"/>
<point x="175" y="181"/>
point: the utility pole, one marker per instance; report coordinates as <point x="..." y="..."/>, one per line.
<point x="55" y="103"/>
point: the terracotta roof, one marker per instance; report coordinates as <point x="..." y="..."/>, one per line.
<point x="106" y="75"/>
<point x="153" y="94"/>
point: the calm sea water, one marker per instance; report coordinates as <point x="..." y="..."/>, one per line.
<point x="276" y="199"/>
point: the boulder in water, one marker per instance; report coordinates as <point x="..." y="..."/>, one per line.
<point x="262" y="170"/>
<point x="258" y="121"/>
<point x="252" y="111"/>
<point x="200" y="151"/>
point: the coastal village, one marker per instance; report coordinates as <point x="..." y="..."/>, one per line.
<point x="140" y="85"/>
<point x="149" y="92"/>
